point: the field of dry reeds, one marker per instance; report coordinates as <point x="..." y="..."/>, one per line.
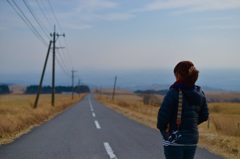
<point x="220" y="135"/>
<point x="18" y="115"/>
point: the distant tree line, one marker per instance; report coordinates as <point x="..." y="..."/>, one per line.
<point x="58" y="89"/>
<point x="4" y="89"/>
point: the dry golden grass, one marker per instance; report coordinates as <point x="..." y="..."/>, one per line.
<point x="222" y="137"/>
<point x="221" y="96"/>
<point x="18" y="115"/>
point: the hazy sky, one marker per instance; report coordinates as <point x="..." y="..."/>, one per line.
<point x="109" y="35"/>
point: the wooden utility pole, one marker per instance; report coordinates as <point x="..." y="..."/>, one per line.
<point x="114" y="88"/>
<point x="53" y="63"/>
<point x="53" y="67"/>
<point x="73" y="83"/>
<point x="43" y="72"/>
<point x="79" y="87"/>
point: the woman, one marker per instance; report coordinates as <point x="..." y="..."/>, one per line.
<point x="184" y="107"/>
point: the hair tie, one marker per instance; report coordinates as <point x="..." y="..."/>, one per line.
<point x="190" y="70"/>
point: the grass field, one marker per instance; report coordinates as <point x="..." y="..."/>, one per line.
<point x="18" y="115"/>
<point x="220" y="136"/>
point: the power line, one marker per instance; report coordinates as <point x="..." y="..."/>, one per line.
<point x="63" y="62"/>
<point x="62" y="67"/>
<point x="64" y="54"/>
<point x="37" y="19"/>
<point x="27" y="22"/>
<point x="32" y="26"/>
<point x="61" y="30"/>
<point x="55" y="16"/>
<point x="62" y="59"/>
<point x="68" y="51"/>
<point x="43" y="12"/>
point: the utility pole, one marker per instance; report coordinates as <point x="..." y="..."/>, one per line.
<point x="114" y="88"/>
<point x="53" y="63"/>
<point x="43" y="72"/>
<point x="53" y="67"/>
<point x="73" y="71"/>
<point x="79" y="87"/>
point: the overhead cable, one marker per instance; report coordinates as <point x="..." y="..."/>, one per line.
<point x="43" y="12"/>
<point x="37" y="19"/>
<point x="21" y="14"/>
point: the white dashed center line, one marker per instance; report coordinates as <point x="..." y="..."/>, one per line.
<point x="106" y="144"/>
<point x="90" y="104"/>
<point x="109" y="151"/>
<point x="97" y="124"/>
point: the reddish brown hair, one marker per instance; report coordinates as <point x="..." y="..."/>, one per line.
<point x="188" y="72"/>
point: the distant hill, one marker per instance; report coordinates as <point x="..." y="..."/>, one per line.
<point x="212" y="96"/>
<point x="148" y="87"/>
<point x="163" y="87"/>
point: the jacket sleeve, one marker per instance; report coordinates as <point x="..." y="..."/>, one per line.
<point x="203" y="114"/>
<point x="166" y="110"/>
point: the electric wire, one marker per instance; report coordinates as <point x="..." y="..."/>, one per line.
<point x="55" y="16"/>
<point x="69" y="57"/>
<point x="21" y="14"/>
<point x="64" y="54"/>
<point x="37" y="19"/>
<point x="56" y="19"/>
<point x="62" y="61"/>
<point x="43" y="12"/>
<point x="62" y="67"/>
<point x="33" y="27"/>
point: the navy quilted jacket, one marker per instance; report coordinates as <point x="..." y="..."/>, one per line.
<point x="194" y="112"/>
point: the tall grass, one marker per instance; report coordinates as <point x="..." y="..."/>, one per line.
<point x="228" y="124"/>
<point x="226" y="117"/>
<point x="220" y="136"/>
<point x="18" y="115"/>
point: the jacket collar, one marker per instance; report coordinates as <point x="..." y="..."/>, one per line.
<point x="179" y="84"/>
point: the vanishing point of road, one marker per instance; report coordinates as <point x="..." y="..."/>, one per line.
<point x="90" y="130"/>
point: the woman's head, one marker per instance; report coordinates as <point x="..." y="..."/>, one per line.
<point x="186" y="71"/>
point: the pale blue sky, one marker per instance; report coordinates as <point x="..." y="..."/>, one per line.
<point x="120" y="35"/>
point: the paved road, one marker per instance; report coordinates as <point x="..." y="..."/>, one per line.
<point x="89" y="130"/>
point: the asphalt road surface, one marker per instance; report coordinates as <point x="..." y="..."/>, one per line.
<point x="89" y="130"/>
